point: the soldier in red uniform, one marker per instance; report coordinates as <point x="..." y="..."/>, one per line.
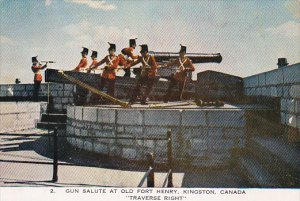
<point x="184" y="65"/>
<point x="81" y="93"/>
<point x="83" y="62"/>
<point x="89" y="69"/>
<point x="147" y="77"/>
<point x="94" y="61"/>
<point x="108" y="75"/>
<point x="128" y="55"/>
<point x="36" y="68"/>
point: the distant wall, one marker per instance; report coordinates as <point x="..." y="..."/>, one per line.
<point x="212" y="85"/>
<point x="19" y="115"/>
<point x="282" y="83"/>
<point x="62" y="93"/>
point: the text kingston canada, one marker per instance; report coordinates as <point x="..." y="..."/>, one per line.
<point x="197" y="191"/>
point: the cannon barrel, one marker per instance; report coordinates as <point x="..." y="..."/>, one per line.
<point x="195" y="57"/>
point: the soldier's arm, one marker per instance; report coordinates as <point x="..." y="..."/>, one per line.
<point x="101" y="62"/>
<point x="169" y="64"/>
<point x="91" y="67"/>
<point x="153" y="63"/>
<point x="81" y="64"/>
<point x="133" y="63"/>
<point x="191" y="66"/>
<point x="44" y="66"/>
<point x="131" y="55"/>
<point x="37" y="67"/>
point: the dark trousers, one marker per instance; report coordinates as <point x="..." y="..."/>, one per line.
<point x="127" y="72"/>
<point x="143" y="81"/>
<point x="80" y="95"/>
<point x="173" y="83"/>
<point x="110" y="86"/>
<point x="36" y="89"/>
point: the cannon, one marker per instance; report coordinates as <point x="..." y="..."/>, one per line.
<point x="164" y="57"/>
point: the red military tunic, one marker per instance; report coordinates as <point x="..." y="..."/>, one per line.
<point x="183" y="66"/>
<point x="149" y="66"/>
<point x="122" y="60"/>
<point x="112" y="63"/>
<point x="129" y="52"/>
<point x="82" y="64"/>
<point x="37" y="72"/>
<point x="94" y="63"/>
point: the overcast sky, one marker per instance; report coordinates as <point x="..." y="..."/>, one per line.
<point x="249" y="34"/>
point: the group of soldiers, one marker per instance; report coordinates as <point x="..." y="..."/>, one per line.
<point x="125" y="60"/>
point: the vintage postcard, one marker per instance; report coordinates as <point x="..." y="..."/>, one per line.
<point x="150" y="100"/>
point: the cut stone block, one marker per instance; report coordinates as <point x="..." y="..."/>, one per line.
<point x="88" y="145"/>
<point x="283" y="118"/>
<point x="290" y="104"/>
<point x="134" y="129"/>
<point x="273" y="92"/>
<point x="219" y="118"/>
<point x="291" y="120"/>
<point x="100" y="148"/>
<point x="56" y="87"/>
<point x="193" y="118"/>
<point x="162" y="117"/>
<point x="251" y="81"/>
<point x="130" y="117"/>
<point x="295" y="91"/>
<point x="291" y="74"/>
<point x="283" y="104"/>
<point x="106" y="116"/>
<point x="129" y="153"/>
<point x="69" y="87"/>
<point x="274" y="77"/>
<point x="78" y="113"/>
<point x="90" y="114"/>
<point x="262" y="79"/>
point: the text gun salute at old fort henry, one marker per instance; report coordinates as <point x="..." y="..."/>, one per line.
<point x="202" y="94"/>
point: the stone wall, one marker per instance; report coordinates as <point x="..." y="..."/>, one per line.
<point x="212" y="85"/>
<point x="61" y="94"/>
<point x="282" y="83"/>
<point x="19" y="115"/>
<point x="200" y="137"/>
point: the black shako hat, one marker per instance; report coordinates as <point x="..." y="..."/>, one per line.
<point x="85" y="50"/>
<point x="282" y="62"/>
<point x="17" y="81"/>
<point x="34" y="59"/>
<point x="112" y="46"/>
<point x="182" y="48"/>
<point x="132" y="42"/>
<point x="144" y="48"/>
<point x="94" y="54"/>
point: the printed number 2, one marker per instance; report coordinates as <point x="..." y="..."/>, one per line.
<point x="51" y="191"/>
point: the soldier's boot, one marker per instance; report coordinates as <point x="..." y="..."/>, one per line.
<point x="143" y="101"/>
<point x="166" y="99"/>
